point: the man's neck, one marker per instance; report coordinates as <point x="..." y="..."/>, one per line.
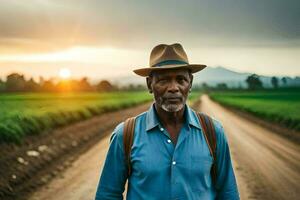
<point x="170" y="118"/>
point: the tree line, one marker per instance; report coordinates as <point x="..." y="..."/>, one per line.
<point x="253" y="82"/>
<point x="16" y="82"/>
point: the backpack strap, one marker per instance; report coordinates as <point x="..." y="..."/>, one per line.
<point x="210" y="137"/>
<point x="128" y="133"/>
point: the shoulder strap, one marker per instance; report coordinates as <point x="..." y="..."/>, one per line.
<point x="128" y="133"/>
<point x="210" y="137"/>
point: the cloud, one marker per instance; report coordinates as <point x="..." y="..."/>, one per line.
<point x="41" y="25"/>
<point x="262" y="36"/>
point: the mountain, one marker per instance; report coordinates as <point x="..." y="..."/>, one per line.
<point x="212" y="76"/>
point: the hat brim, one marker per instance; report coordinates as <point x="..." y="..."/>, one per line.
<point x="146" y="71"/>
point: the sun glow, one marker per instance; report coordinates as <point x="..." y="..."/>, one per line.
<point x="64" y="73"/>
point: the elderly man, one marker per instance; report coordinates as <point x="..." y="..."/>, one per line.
<point x="168" y="155"/>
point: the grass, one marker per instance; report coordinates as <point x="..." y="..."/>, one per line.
<point x="32" y="113"/>
<point x="279" y="106"/>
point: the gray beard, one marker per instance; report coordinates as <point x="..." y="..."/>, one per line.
<point x="171" y="107"/>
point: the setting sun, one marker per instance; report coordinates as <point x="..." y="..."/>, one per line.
<point x="64" y="73"/>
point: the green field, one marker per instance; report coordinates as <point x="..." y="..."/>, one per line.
<point x="25" y="114"/>
<point x="282" y="107"/>
<point x="32" y="113"/>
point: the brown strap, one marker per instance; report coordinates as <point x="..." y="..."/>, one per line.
<point x="210" y="137"/>
<point x="128" y="133"/>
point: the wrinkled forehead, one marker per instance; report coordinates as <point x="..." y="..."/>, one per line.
<point x="170" y="72"/>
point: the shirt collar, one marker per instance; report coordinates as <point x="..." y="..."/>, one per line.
<point x="151" y="118"/>
<point x="153" y="121"/>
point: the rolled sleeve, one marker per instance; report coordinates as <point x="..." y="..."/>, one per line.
<point x="226" y="183"/>
<point x="114" y="174"/>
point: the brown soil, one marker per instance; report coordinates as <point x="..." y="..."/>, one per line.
<point x="41" y="157"/>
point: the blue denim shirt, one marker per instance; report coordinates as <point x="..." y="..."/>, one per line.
<point x="162" y="170"/>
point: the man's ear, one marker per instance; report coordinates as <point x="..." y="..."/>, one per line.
<point x="149" y="81"/>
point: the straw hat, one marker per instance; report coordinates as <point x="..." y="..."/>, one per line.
<point x="165" y="56"/>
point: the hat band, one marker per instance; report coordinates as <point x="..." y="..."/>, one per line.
<point x="170" y="62"/>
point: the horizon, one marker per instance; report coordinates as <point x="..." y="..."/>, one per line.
<point x="61" y="76"/>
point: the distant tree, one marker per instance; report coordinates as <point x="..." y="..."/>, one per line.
<point x="274" y="82"/>
<point x="84" y="85"/>
<point x="296" y="81"/>
<point x="131" y="87"/>
<point x="222" y="86"/>
<point x="2" y="86"/>
<point x="254" y="82"/>
<point x="104" y="86"/>
<point x="15" y="83"/>
<point x="284" y="81"/>
<point x="141" y="87"/>
<point x="48" y="86"/>
<point x="205" y="85"/>
<point x="31" y="86"/>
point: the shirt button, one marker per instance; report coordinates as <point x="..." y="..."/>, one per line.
<point x="161" y="129"/>
<point x="174" y="163"/>
<point x="169" y="141"/>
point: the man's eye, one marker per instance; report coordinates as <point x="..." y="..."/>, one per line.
<point x="180" y="80"/>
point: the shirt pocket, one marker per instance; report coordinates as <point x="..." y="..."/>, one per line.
<point x="200" y="167"/>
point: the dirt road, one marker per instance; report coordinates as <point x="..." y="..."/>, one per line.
<point x="79" y="181"/>
<point x="267" y="166"/>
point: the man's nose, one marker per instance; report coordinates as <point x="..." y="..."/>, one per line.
<point x="173" y="87"/>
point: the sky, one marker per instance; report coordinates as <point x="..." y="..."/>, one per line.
<point x="103" y="39"/>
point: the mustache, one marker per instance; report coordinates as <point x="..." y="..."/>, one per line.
<point x="172" y="96"/>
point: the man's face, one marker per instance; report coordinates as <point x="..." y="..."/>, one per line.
<point x="170" y="88"/>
